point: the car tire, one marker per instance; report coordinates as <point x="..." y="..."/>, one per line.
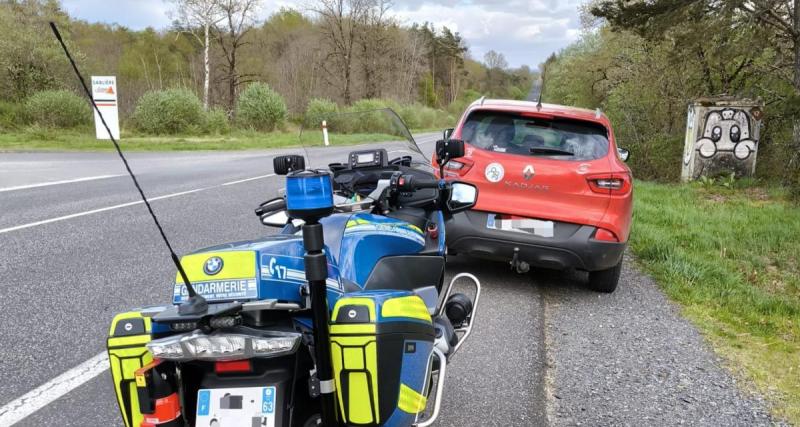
<point x="605" y="280"/>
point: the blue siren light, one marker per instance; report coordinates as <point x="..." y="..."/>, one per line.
<point x="309" y="194"/>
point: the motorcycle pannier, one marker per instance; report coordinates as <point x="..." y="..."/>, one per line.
<point x="381" y="345"/>
<point x="126" y="354"/>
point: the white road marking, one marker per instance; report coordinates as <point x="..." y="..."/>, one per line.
<point x="45" y="394"/>
<point x="247" y="180"/>
<point x="124" y="205"/>
<point x="47" y="184"/>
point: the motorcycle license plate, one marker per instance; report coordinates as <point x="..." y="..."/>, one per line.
<point x="527" y="226"/>
<point x="235" y="407"/>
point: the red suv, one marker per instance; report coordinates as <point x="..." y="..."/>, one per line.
<point x="554" y="191"/>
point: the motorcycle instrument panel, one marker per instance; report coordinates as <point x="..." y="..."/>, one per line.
<point x="369" y="158"/>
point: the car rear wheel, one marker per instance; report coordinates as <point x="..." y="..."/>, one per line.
<point x="605" y="280"/>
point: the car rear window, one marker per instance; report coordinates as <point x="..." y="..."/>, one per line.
<point x="557" y="138"/>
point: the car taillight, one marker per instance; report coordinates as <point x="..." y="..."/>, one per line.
<point x="605" y="235"/>
<point x="458" y="167"/>
<point x="610" y="184"/>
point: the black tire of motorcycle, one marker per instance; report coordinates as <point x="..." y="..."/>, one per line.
<point x="605" y="281"/>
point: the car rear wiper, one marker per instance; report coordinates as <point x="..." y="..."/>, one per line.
<point x="551" y="151"/>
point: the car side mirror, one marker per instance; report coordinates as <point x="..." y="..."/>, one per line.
<point x="447" y="133"/>
<point x="624" y="154"/>
<point x="463" y="197"/>
<point x="447" y="149"/>
<point x="289" y="163"/>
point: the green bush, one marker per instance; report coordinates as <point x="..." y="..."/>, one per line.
<point x="319" y="109"/>
<point x="12" y="115"/>
<point x="260" y="108"/>
<point x="57" y="109"/>
<point x="169" y="112"/>
<point x="217" y="122"/>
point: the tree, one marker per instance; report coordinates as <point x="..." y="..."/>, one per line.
<point x="339" y="21"/>
<point x="238" y="18"/>
<point x="779" y="19"/>
<point x="495" y="60"/>
<point x="373" y="38"/>
<point x="203" y="14"/>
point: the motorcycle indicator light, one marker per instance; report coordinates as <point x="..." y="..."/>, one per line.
<point x="309" y="194"/>
<point x="223" y="346"/>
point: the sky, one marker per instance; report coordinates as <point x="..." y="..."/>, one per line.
<point x="525" y="31"/>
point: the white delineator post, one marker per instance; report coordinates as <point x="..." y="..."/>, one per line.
<point x="325" y="133"/>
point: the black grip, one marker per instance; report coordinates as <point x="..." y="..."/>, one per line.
<point x="411" y="182"/>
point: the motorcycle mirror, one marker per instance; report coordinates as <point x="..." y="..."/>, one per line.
<point x="463" y="196"/>
<point x="289" y="163"/>
<point x="449" y="149"/>
<point x="275" y="219"/>
<point x="447" y="133"/>
<point x="273" y="212"/>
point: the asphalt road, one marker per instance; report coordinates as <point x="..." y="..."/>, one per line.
<point x="545" y="350"/>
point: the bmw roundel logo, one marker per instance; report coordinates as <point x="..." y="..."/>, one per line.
<point x="213" y="265"/>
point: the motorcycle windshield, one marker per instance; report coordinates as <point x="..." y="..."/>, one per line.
<point x="359" y="139"/>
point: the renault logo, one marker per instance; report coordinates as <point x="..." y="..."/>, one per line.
<point x="213" y="265"/>
<point x="528" y="172"/>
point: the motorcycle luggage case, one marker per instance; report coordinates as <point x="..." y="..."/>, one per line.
<point x="381" y="346"/>
<point x="126" y="354"/>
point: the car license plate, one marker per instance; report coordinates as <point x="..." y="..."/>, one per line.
<point x="527" y="226"/>
<point x="235" y="407"/>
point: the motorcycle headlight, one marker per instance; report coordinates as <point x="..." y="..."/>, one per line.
<point x="223" y="346"/>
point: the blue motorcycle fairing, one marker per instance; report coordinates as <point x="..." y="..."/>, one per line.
<point x="353" y="245"/>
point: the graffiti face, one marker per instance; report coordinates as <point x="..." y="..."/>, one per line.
<point x="726" y="131"/>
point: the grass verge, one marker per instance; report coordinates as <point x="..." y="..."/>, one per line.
<point x="731" y="257"/>
<point x="74" y="140"/>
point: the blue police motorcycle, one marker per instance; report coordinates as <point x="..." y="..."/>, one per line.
<point x="341" y="318"/>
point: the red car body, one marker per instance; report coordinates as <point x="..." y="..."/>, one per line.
<point x="589" y="200"/>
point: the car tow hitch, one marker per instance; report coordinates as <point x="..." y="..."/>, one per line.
<point x="520" y="267"/>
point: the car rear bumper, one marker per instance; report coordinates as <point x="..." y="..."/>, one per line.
<point x="571" y="246"/>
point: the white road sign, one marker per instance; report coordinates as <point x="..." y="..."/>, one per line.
<point x="104" y="92"/>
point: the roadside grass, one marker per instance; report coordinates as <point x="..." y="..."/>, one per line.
<point x="38" y="139"/>
<point x="731" y="258"/>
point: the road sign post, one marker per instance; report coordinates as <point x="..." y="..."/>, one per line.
<point x="104" y="93"/>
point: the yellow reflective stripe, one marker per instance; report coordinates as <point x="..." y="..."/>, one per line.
<point x="410" y="401"/>
<point x="369" y="303"/>
<point x="410" y="306"/>
<point x="235" y="265"/>
<point x="353" y="329"/>
<point x="359" y="410"/>
<point x="128" y="341"/>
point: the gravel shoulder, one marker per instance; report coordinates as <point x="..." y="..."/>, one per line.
<point x="629" y="358"/>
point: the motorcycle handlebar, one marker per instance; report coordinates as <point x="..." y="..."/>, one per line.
<point x="411" y="183"/>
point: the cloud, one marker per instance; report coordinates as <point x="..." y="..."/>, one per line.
<point x="525" y="31"/>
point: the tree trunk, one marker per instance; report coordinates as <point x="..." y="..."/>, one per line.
<point x="347" y="96"/>
<point x="794" y="166"/>
<point x="232" y="80"/>
<point x="207" y="65"/>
